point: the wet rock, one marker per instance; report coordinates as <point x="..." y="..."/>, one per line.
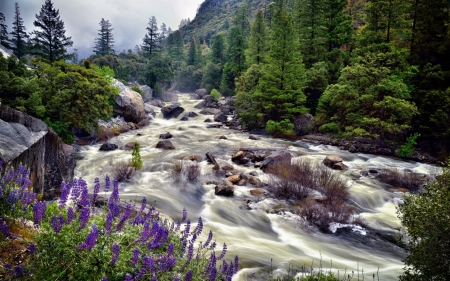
<point x="165" y="136"/>
<point x="149" y="109"/>
<point x="193" y="158"/>
<point x="275" y="158"/>
<point x="165" y="144"/>
<point x="195" y="97"/>
<point x="234" y="178"/>
<point x="201" y="92"/>
<point x="330" y="160"/>
<point x="210" y="111"/>
<point x="339" y="166"/>
<point x="258" y="164"/>
<point x="224" y="188"/>
<point x="222" y="138"/>
<point x="211" y="159"/>
<point x="220" y="117"/>
<point x="184" y="118"/>
<point x="108" y="147"/>
<point x="169" y="96"/>
<point x="227" y="167"/>
<point x="144" y="122"/>
<point x="200" y="105"/>
<point x="352" y="149"/>
<point x="212" y="126"/>
<point x="253" y="173"/>
<point x="240" y="157"/>
<point x="157" y="102"/>
<point x="148" y="92"/>
<point x="208" y="120"/>
<point x="191" y="114"/>
<point x="257" y="192"/>
<point x="255" y="181"/>
<point x="242" y="182"/>
<point x="129" y="104"/>
<point x="172" y="111"/>
<point x="129" y="146"/>
<point x="252" y="137"/>
<point x="304" y="124"/>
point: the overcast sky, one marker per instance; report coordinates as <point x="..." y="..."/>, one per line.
<point x="129" y="18"/>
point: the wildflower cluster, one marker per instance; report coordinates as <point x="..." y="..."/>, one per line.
<point x="118" y="241"/>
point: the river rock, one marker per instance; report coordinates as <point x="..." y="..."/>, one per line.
<point x="149" y="109"/>
<point x="148" y="92"/>
<point x="165" y="144"/>
<point x="129" y="104"/>
<point x="195" y="97"/>
<point x="25" y="140"/>
<point x="339" y="166"/>
<point x="165" y="136"/>
<point x="201" y="92"/>
<point x="220" y="117"/>
<point x="224" y="188"/>
<point x="200" y="105"/>
<point x="108" y="147"/>
<point x="234" y="178"/>
<point x="157" y="102"/>
<point x="240" y="157"/>
<point x="331" y="161"/>
<point x="169" y="96"/>
<point x="172" y="111"/>
<point x="255" y="181"/>
<point x="275" y="158"/>
<point x="257" y="192"/>
<point x="226" y="167"/>
<point x="129" y="146"/>
<point x="210" y="111"/>
<point x="304" y="124"/>
<point x="185" y="117"/>
<point x="222" y="138"/>
<point x="252" y="137"/>
<point x="212" y="126"/>
<point x="208" y="120"/>
<point x="144" y="122"/>
<point x="211" y="159"/>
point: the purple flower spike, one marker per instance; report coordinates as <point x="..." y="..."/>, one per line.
<point x="104" y="279"/>
<point x="84" y="218"/>
<point x="4" y="229"/>
<point x="84" y="198"/>
<point x="108" y="223"/>
<point x="143" y="205"/>
<point x="170" y="249"/>
<point x="70" y="215"/>
<point x="65" y="191"/>
<point x="184" y="215"/>
<point x="224" y="251"/>
<point x="199" y="228"/>
<point x="135" y="258"/>
<point x="186" y="230"/>
<point x="96" y="190"/>
<point x="107" y="183"/>
<point x="208" y="240"/>
<point x="128" y="277"/>
<point x="188" y="276"/>
<point x="212" y="274"/>
<point x="31" y="248"/>
<point x="91" y="239"/>
<point x="190" y="253"/>
<point x="57" y="223"/>
<point x="39" y="209"/>
<point x="124" y="218"/>
<point x="176" y="278"/>
<point x="115" y="252"/>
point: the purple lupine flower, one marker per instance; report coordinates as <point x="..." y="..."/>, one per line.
<point x="148" y="263"/>
<point x="96" y="190"/>
<point x="114" y="198"/>
<point x="199" y="228"/>
<point x="178" y="226"/>
<point x="230" y="272"/>
<point x="104" y="279"/>
<point x="135" y="258"/>
<point x="91" y="239"/>
<point x="154" y="278"/>
<point x="57" y="222"/>
<point x="39" y="209"/>
<point x="13" y="197"/>
<point x="194" y="237"/>
<point x="159" y="239"/>
<point x="186" y="230"/>
<point x="76" y="190"/>
<point x="31" y="248"/>
<point x="224" y="251"/>
<point x="115" y="252"/>
<point x="146" y="232"/>
<point x="176" y="278"/>
<point x="124" y="218"/>
<point x="128" y="277"/>
<point x="65" y="191"/>
<point x="170" y="249"/>
<point x="19" y="271"/>
<point x="190" y="253"/>
<point x="211" y="263"/>
<point x="212" y="274"/>
<point x="9" y="175"/>
<point x="183" y="245"/>
<point x="170" y="263"/>
<point x="108" y="223"/>
<point x="4" y="229"/>
<point x="210" y="235"/>
<point x="70" y="215"/>
<point x="188" y="276"/>
<point x="28" y="197"/>
<point x="225" y="267"/>
<point x="107" y="183"/>
<point x="114" y="209"/>
<point x="83" y="219"/>
<point x="84" y="198"/>
<point x="184" y="215"/>
<point x="143" y="205"/>
<point x="213" y="246"/>
<point x="236" y="264"/>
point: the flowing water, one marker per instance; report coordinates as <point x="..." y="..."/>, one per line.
<point x="257" y="232"/>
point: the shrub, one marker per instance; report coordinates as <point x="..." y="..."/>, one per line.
<point x="287" y="181"/>
<point x="407" y="149"/>
<point x="398" y="178"/>
<point x="137" y="90"/>
<point x="215" y="95"/>
<point x="330" y="128"/>
<point x="282" y="128"/>
<point x="123" y="170"/>
<point x="186" y="168"/>
<point x="136" y="160"/>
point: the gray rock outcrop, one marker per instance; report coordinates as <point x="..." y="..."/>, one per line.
<point x="129" y="104"/>
<point x="225" y="188"/>
<point x="148" y="92"/>
<point x="172" y="111"/>
<point x="201" y="92"/>
<point x="304" y="124"/>
<point x="28" y="141"/>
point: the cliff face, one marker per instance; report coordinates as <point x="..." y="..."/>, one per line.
<point x="29" y="141"/>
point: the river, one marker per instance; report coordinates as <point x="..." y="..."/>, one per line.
<point x="263" y="239"/>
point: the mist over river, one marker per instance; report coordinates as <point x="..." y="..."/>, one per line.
<point x="259" y="230"/>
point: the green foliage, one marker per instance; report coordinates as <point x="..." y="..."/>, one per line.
<point x="235" y="62"/>
<point x="136" y="160"/>
<point x="257" y="43"/>
<point x="159" y="72"/>
<point x="189" y="78"/>
<point x="212" y="76"/>
<point x="425" y="217"/>
<point x="282" y="128"/>
<point x="215" y="95"/>
<point x="218" y="48"/>
<point x="137" y="90"/>
<point x="407" y="149"/>
<point x="62" y="129"/>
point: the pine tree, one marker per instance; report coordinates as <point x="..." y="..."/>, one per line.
<point x="257" y="43"/>
<point x="280" y="89"/>
<point x="51" y="40"/>
<point x="136" y="160"/>
<point x="104" y="44"/>
<point x="18" y="43"/>
<point x="192" y="54"/>
<point x="385" y="16"/>
<point x="163" y="33"/>
<point x="4" y="40"/>
<point x="235" y="63"/>
<point x="175" y="45"/>
<point x="339" y="29"/>
<point x="218" y="48"/>
<point x="151" y="39"/>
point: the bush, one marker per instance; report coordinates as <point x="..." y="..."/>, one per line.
<point x="407" y="149"/>
<point x="215" y="95"/>
<point x="282" y="128"/>
<point x="123" y="170"/>
<point x="287" y="181"/>
<point x="397" y="178"/>
<point x="137" y="90"/>
<point x="136" y="160"/>
<point x="187" y="169"/>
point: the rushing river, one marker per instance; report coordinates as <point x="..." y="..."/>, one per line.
<point x="257" y="234"/>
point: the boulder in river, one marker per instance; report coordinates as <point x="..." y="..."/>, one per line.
<point x="172" y="111"/>
<point x="108" y="147"/>
<point x="334" y="162"/>
<point x="304" y="124"/>
<point x="220" y="117"/>
<point x="210" y="111"/>
<point x="157" y="102"/>
<point x="165" y="144"/>
<point x="129" y="104"/>
<point x="224" y="188"/>
<point x="275" y="158"/>
<point x="201" y="92"/>
<point x="129" y="146"/>
<point x="165" y="136"/>
<point x="149" y="109"/>
<point x="148" y="92"/>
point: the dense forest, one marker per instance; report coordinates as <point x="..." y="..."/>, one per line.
<point x="378" y="69"/>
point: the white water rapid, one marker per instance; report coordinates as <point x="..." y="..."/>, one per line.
<point x="259" y="233"/>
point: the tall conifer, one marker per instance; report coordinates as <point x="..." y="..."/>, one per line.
<point x="4" y="40"/>
<point x="104" y="44"/>
<point x="18" y="43"/>
<point x="151" y="38"/>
